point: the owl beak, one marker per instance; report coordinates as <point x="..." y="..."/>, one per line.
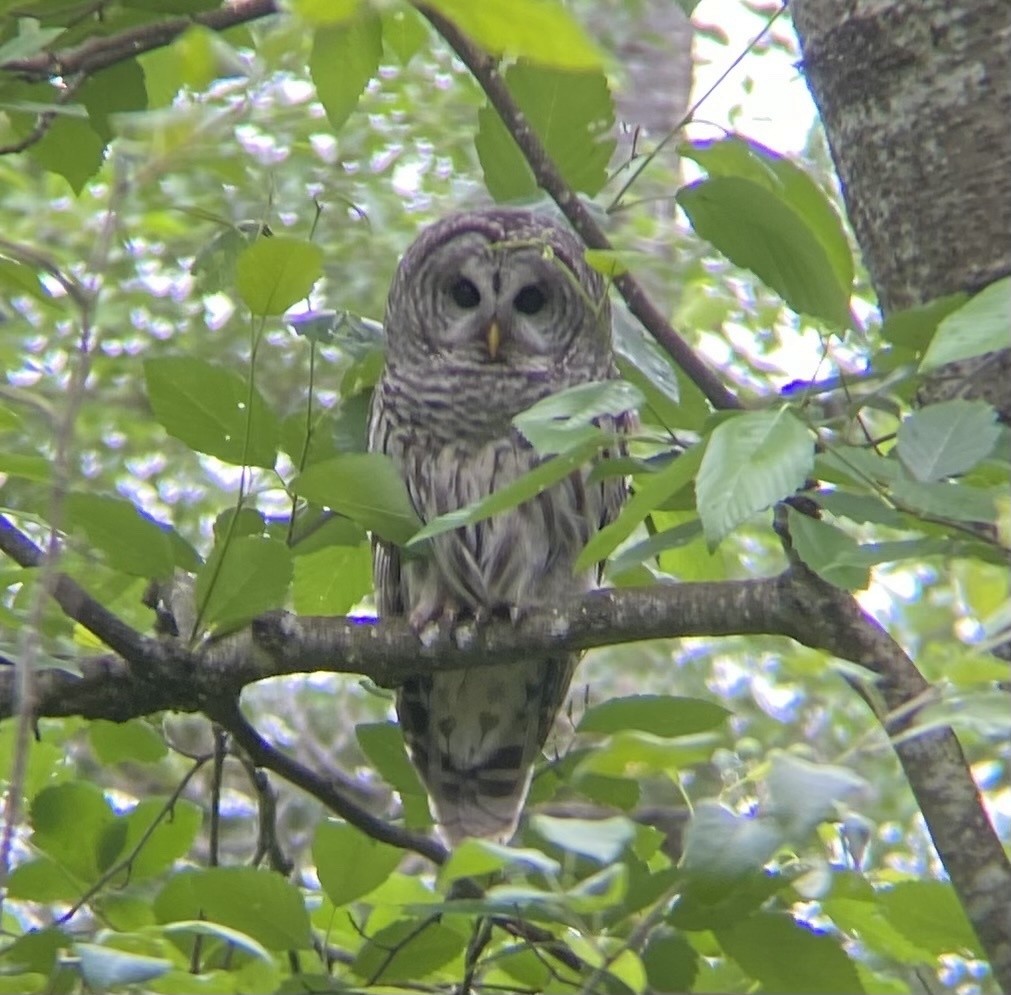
<point x="494" y="339"/>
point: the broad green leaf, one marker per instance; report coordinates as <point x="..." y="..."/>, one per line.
<point x="35" y="468"/>
<point x="70" y="148"/>
<point x="602" y="840"/>
<point x="633" y="754"/>
<point x="643" y="363"/>
<point x="913" y="328"/>
<point x="802" y="794"/>
<point x="753" y="460"/>
<point x="671" y="962"/>
<point x="136" y="741"/>
<point x="601" y="891"/>
<point x="946" y="439"/>
<point x="758" y="230"/>
<point x="876" y="933"/>
<point x="404" y="32"/>
<point x="232" y="937"/>
<point x="383" y="744"/>
<point x="477" y="857"/>
<point x="721" y="846"/>
<point x="654" y="546"/>
<point x="331" y="581"/>
<point x="946" y="500"/>
<point x="208" y="408"/>
<point x="213" y="267"/>
<point x="259" y="903"/>
<point x="349" y="863"/>
<point x="861" y="508"/>
<point x="978" y="326"/>
<point x="613" y="262"/>
<point x="273" y="273"/>
<point x="928" y="913"/>
<point x="46" y="880"/>
<point x="829" y="552"/>
<point x="649" y="492"/>
<point x="749" y="160"/>
<point x="325" y="11"/>
<point x="784" y="955"/>
<point x="570" y="112"/>
<point x="344" y="58"/>
<point x="130" y="540"/>
<point x="166" y="830"/>
<point x="105" y="968"/>
<point x="564" y="420"/>
<point x="242" y="579"/>
<point x="542" y="31"/>
<point x="36" y="950"/>
<point x="407" y="951"/>
<point x="366" y="487"/>
<point x="528" y="486"/>
<point x="115" y="90"/>
<point x="68" y="823"/>
<point x="660" y="715"/>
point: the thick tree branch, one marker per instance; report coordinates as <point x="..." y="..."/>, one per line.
<point x="485" y="71"/>
<point x="100" y="52"/>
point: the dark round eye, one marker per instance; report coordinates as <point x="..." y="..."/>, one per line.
<point x="530" y="299"/>
<point x="465" y="294"/>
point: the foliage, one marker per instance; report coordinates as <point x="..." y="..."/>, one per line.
<point x="197" y="247"/>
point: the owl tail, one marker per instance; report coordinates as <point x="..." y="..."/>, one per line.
<point x="474" y="736"/>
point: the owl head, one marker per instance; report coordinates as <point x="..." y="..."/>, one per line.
<point x="498" y="287"/>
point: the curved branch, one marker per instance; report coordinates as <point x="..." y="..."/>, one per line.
<point x="101" y="52"/>
<point x="485" y="71"/>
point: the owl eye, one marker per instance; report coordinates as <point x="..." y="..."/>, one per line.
<point x="530" y="299"/>
<point x="465" y="294"/>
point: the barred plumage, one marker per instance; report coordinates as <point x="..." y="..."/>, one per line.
<point x="489" y="312"/>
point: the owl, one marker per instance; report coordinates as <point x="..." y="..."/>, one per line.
<point x="489" y="312"/>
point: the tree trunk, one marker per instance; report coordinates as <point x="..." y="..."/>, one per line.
<point x="915" y="97"/>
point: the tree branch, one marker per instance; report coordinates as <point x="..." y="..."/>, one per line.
<point x="101" y="52"/>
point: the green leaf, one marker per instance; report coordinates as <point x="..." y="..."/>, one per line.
<point x="802" y="795"/>
<point x="407" y="951"/>
<point x="564" y="420"/>
<point x="650" y="491"/>
<point x="404" y="32"/>
<point x="671" y="962"/>
<point x="105" y="968"/>
<point x="721" y="846"/>
<point x="68" y="823"/>
<point x="116" y="90"/>
<point x="758" y="230"/>
<point x="135" y="741"/>
<point x="783" y="955"/>
<point x="349" y="863"/>
<point x="259" y="903"/>
<point x="207" y="408"/>
<point x="914" y="327"/>
<point x="477" y="857"/>
<point x="242" y="579"/>
<point x="273" y="273"/>
<point x="232" y="937"/>
<point x="344" y="58"/>
<point x="525" y="487"/>
<point x="654" y="546"/>
<point x="45" y="880"/>
<point x="570" y="112"/>
<point x="601" y="891"/>
<point x="753" y="460"/>
<point x="660" y="715"/>
<point x="602" y="840"/>
<point x="383" y="744"/>
<point x="730" y="157"/>
<point x="946" y="439"/>
<point x="325" y="11"/>
<point x="71" y="148"/>
<point x="978" y="326"/>
<point x="829" y="552"/>
<point x="366" y="487"/>
<point x="929" y="914"/>
<point x="946" y="500"/>
<point x="167" y="831"/>
<point x="542" y="31"/>
<point x="130" y="540"/>
<point x="35" y="468"/>
<point x="331" y="581"/>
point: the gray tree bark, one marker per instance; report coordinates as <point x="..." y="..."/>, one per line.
<point x="915" y="97"/>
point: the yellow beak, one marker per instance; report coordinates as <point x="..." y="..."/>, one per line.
<point x="494" y="339"/>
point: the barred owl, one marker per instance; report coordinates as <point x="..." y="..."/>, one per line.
<point x="489" y="312"/>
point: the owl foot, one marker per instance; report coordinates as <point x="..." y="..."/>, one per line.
<point x="442" y="616"/>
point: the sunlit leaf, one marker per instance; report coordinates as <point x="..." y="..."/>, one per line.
<point x="803" y="794"/>
<point x="476" y="857"/>
<point x="752" y="461"/>
<point x="946" y="439"/>
<point x="135" y="741"/>
<point x="345" y="56"/>
<point x="829" y="552"/>
<point x="603" y="840"/>
<point x="407" y="950"/>
<point x="274" y="273"/>
<point x="332" y="580"/>
<point x="660" y="715"/>
<point x="105" y="968"/>
<point x="978" y="326"/>
<point x="366" y="487"/>
<point x="349" y="863"/>
<point x="212" y="410"/>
